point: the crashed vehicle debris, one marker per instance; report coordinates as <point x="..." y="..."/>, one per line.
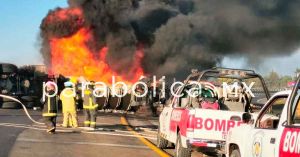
<point x="9" y="85"/>
<point x="24" y="84"/>
<point x="203" y="120"/>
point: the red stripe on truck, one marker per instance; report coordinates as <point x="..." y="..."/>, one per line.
<point x="290" y="143"/>
<point x="215" y="124"/>
<point x="181" y="119"/>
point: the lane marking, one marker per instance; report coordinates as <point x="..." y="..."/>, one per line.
<point x="82" y="143"/>
<point x="21" y="126"/>
<point x="146" y="135"/>
<point x="145" y="141"/>
<point x="104" y="130"/>
<point x="33" y="128"/>
<point x="28" y="125"/>
<point x="112" y="134"/>
<point x="128" y="134"/>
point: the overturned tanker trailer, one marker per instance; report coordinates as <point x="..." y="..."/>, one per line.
<point x="131" y="101"/>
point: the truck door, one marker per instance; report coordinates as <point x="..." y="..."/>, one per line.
<point x="165" y="121"/>
<point x="264" y="136"/>
<point x="290" y="138"/>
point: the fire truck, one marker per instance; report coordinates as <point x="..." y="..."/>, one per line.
<point x="274" y="132"/>
<point x="201" y="117"/>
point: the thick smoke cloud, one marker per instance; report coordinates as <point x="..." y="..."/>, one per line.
<point x="213" y="29"/>
<point x="178" y="35"/>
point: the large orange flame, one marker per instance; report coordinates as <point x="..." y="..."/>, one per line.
<point x="70" y="56"/>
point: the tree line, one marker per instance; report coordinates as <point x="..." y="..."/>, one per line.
<point x="275" y="81"/>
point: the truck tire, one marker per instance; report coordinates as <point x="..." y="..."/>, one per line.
<point x="27" y="98"/>
<point x="161" y="142"/>
<point x="30" y="101"/>
<point x="8" y="68"/>
<point x="8" y="100"/>
<point x="30" y="105"/>
<point x="181" y="151"/>
<point x="235" y="153"/>
<point x="11" y="105"/>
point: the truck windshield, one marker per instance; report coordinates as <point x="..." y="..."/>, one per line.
<point x="296" y="106"/>
<point x="239" y="92"/>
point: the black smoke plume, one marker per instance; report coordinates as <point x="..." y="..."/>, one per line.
<point x="178" y="35"/>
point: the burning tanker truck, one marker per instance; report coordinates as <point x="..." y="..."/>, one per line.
<point x="134" y="38"/>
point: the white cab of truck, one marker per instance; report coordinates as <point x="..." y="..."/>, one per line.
<point x="275" y="132"/>
<point x="204" y="121"/>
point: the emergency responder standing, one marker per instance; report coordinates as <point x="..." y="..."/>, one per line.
<point x="50" y="109"/>
<point x="90" y="107"/>
<point x="153" y="97"/>
<point x="67" y="98"/>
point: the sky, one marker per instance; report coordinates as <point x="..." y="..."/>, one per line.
<point x="284" y="65"/>
<point x="19" y="41"/>
<point x="19" y="29"/>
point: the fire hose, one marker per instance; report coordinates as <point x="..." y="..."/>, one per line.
<point x="24" y="108"/>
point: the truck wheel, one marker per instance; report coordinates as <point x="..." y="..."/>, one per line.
<point x="235" y="153"/>
<point x="27" y="98"/>
<point x="161" y="142"/>
<point x="11" y="105"/>
<point x="8" y="100"/>
<point x="29" y="105"/>
<point x="181" y="151"/>
<point x="8" y="68"/>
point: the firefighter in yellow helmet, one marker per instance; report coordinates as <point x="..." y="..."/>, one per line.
<point x="67" y="97"/>
<point x="90" y="107"/>
<point x="50" y="109"/>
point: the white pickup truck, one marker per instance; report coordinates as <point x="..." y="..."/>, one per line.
<point x="274" y="132"/>
<point x="203" y="121"/>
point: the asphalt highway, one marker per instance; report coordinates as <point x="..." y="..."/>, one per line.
<point x="116" y="135"/>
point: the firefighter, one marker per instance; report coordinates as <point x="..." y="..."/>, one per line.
<point x="153" y="97"/>
<point x="90" y="107"/>
<point x="79" y="98"/>
<point x="67" y="98"/>
<point x="50" y="109"/>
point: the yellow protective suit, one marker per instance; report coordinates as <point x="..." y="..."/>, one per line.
<point x="68" y="108"/>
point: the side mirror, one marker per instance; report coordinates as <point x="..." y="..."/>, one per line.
<point x="246" y="117"/>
